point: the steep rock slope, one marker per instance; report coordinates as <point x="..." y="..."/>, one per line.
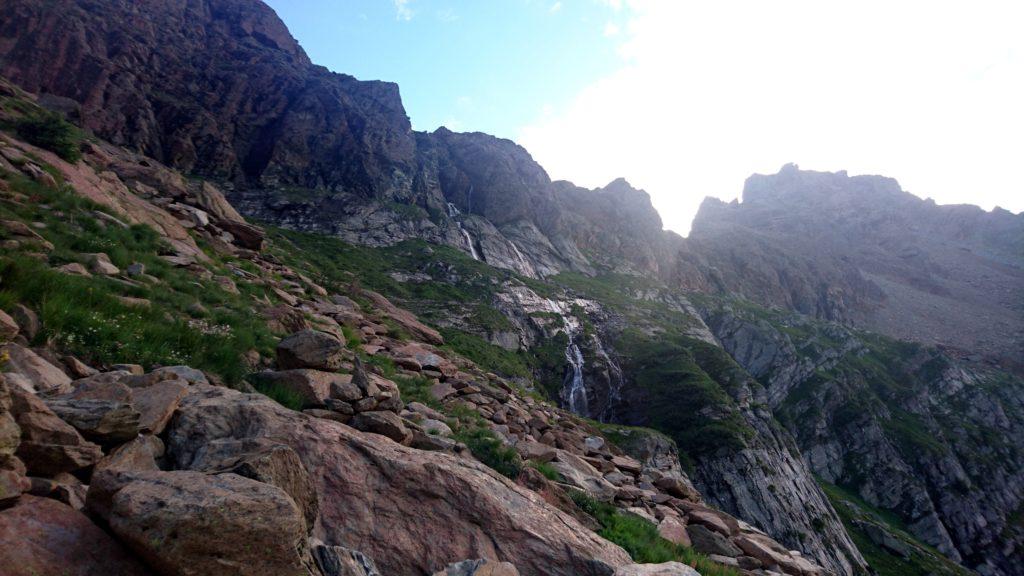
<point x="908" y="428"/>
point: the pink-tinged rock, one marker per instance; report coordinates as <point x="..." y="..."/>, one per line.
<point x="41" y="374"/>
<point x="8" y="327"/>
<point x="368" y="485"/>
<point x="139" y="455"/>
<point x="311" y="349"/>
<point x="193" y="523"/>
<point x="715" y="520"/>
<point x="40" y="536"/>
<point x="48" y="444"/>
<point x="12" y="485"/>
<point x="673" y="530"/>
<point x="157" y="403"/>
<point x="405" y="319"/>
<point x="665" y="569"/>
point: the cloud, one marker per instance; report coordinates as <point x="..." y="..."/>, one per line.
<point x="557" y="6"/>
<point x="707" y="93"/>
<point x="402" y="10"/>
<point x="611" y="29"/>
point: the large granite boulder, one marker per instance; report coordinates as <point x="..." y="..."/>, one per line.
<point x="194" y="523"/>
<point x="411" y="511"/>
<point x="40" y="536"/>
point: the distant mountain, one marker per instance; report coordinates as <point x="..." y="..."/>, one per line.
<point x="862" y="251"/>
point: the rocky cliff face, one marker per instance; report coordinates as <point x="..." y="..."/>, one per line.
<point x="215" y="88"/>
<point x="908" y="428"/>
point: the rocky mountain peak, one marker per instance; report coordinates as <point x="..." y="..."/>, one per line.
<point x="791" y="185"/>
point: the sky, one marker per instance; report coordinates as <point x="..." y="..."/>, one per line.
<point x="686" y="99"/>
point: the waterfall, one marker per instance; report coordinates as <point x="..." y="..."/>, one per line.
<point x="573" y="388"/>
<point x="615" y="381"/>
<point x="527" y="267"/>
<point x="454" y="214"/>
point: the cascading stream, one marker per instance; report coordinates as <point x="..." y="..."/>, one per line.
<point x="615" y="381"/>
<point x="527" y="267"/>
<point x="454" y="214"/>
<point x="573" y="387"/>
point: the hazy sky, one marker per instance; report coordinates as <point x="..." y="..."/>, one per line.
<point x="686" y="99"/>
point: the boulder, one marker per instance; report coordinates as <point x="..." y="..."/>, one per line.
<point x="74" y="269"/>
<point x="672" y="529"/>
<point x="315" y="387"/>
<point x="717" y="521"/>
<point x="48" y="444"/>
<point x="28" y="321"/>
<point x="138" y="455"/>
<point x="265" y="461"/>
<point x="43" y="376"/>
<point x="78" y="369"/>
<point x="10" y="434"/>
<point x="341" y="561"/>
<point x="157" y="403"/>
<point x="41" y="536"/>
<point x="536" y="451"/>
<point x="103" y="386"/>
<point x="382" y="422"/>
<point x="368" y="487"/>
<point x="311" y="349"/>
<point x="193" y="523"/>
<point x="106" y="422"/>
<point x="8" y="327"/>
<point x="435" y="427"/>
<point x="12" y="485"/>
<point x="405" y="319"/>
<point x="245" y="235"/>
<point x="100" y="264"/>
<point x="709" y="542"/>
<point x="664" y="569"/>
<point x="480" y="567"/>
<point x="678" y="487"/>
<point x="577" y="473"/>
<point x="186" y="373"/>
<point x="770" y="553"/>
<point x="424" y="358"/>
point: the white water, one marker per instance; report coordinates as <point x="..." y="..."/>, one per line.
<point x="573" y="388"/>
<point x="527" y="267"/>
<point x="615" y="381"/>
<point x="454" y="214"/>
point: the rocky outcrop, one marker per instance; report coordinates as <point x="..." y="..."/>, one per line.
<point x="168" y="519"/>
<point x="368" y="486"/>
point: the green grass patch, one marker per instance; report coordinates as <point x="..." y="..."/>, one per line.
<point x="639" y="537"/>
<point x="86" y="316"/>
<point x="49" y="130"/>
<point x="546" y="470"/>
<point x="488" y="449"/>
<point x="283" y="395"/>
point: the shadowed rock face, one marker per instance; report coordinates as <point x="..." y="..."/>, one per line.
<point x="217" y="88"/>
